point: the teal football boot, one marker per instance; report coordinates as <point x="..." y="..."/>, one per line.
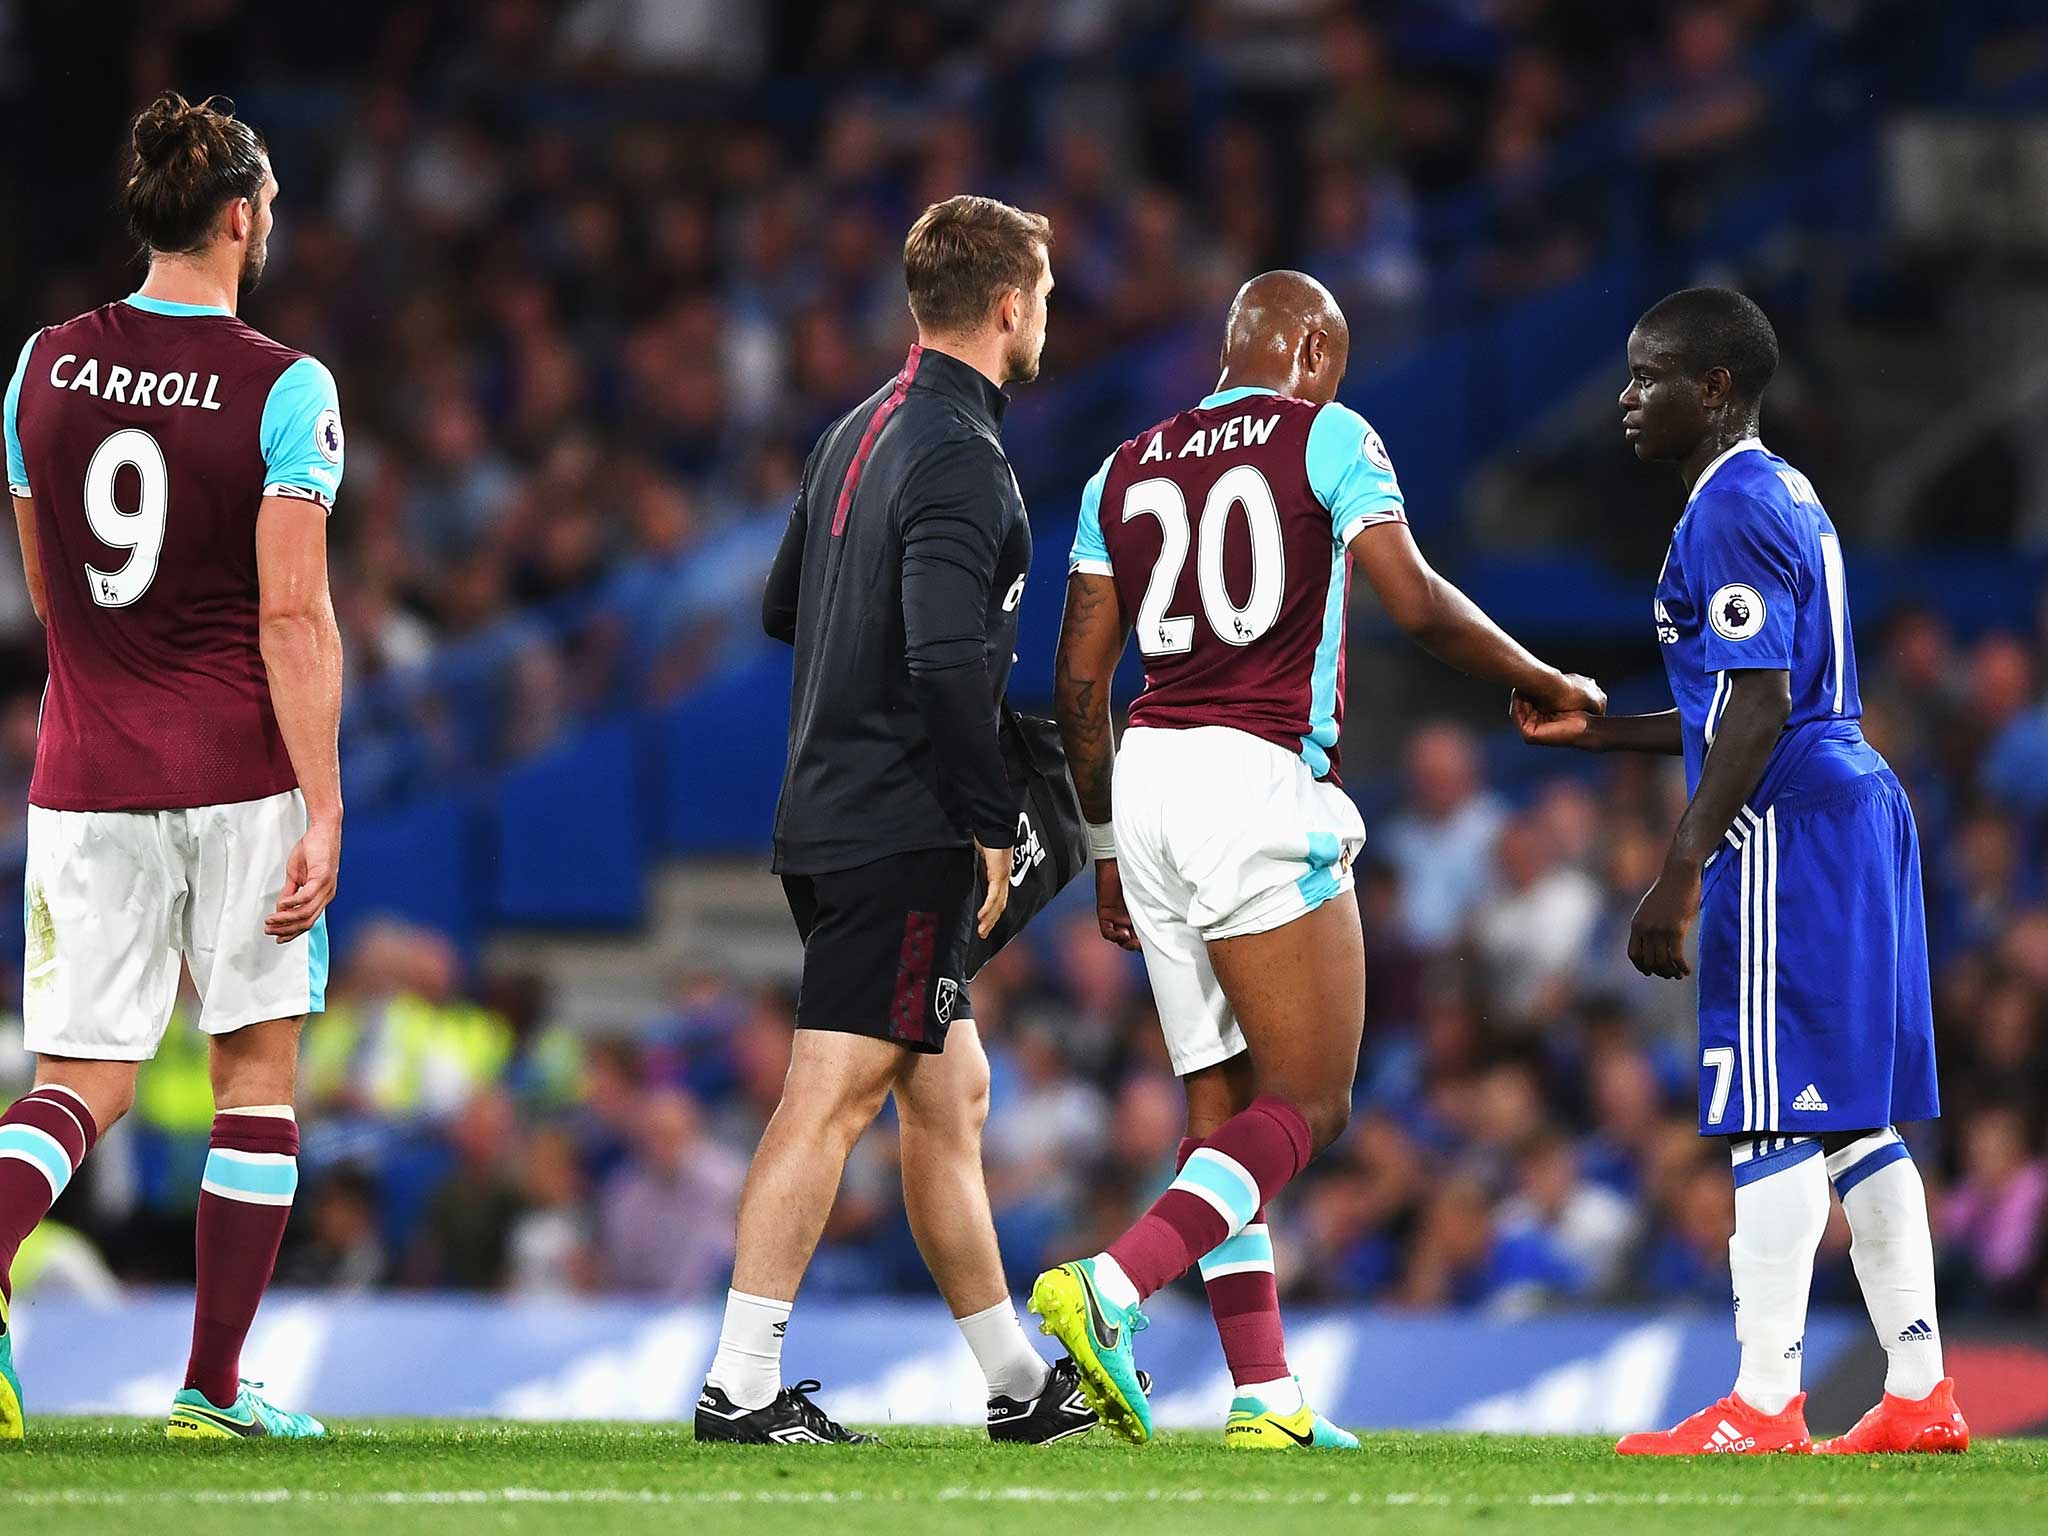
<point x="1097" y="1334"/>
<point x="253" y="1417"/>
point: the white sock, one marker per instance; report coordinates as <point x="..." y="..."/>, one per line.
<point x="1281" y="1396"/>
<point x="1114" y="1284"/>
<point x="748" y="1365"/>
<point x="1781" y="1210"/>
<point x="1893" y="1252"/>
<point x="1012" y="1366"/>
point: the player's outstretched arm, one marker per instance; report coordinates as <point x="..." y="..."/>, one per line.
<point x="1759" y="704"/>
<point x="302" y="654"/>
<point x="1657" y="734"/>
<point x="1091" y="639"/>
<point x="1453" y="628"/>
<point x="31" y="554"/>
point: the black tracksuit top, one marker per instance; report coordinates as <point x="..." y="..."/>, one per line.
<point x="898" y="581"/>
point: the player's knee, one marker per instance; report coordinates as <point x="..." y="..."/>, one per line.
<point x="109" y="1107"/>
<point x="838" y="1111"/>
<point x="969" y="1113"/>
<point x="117" y="1107"/>
<point x="955" y="1117"/>
<point x="107" y="1088"/>
<point x="1325" y="1107"/>
<point x="256" y="1065"/>
<point x="1328" y="1112"/>
<point x="851" y="1115"/>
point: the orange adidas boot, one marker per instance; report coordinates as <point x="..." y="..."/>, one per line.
<point x="1729" y="1427"/>
<point x="1898" y="1424"/>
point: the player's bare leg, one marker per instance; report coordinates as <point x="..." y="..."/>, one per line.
<point x="835" y="1087"/>
<point x="44" y="1136"/>
<point x="1299" y="996"/>
<point x="245" y="1201"/>
<point x="1215" y="1094"/>
<point x="1298" y="993"/>
<point x="942" y="1104"/>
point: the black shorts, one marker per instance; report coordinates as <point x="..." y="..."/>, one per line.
<point x="885" y="946"/>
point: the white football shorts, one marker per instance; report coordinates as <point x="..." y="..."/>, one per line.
<point x="1218" y="835"/>
<point x="115" y="899"/>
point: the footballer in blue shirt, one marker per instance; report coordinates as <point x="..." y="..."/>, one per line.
<point x="1798" y="856"/>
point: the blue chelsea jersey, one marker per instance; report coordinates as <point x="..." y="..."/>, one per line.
<point x="1753" y="580"/>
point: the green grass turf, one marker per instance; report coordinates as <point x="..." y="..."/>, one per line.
<point x="398" y="1477"/>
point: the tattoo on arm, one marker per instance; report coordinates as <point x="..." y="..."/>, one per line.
<point x="1091" y="639"/>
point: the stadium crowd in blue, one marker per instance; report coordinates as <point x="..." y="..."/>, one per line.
<point x="1525" y="1135"/>
<point x="591" y="276"/>
<point x="583" y="343"/>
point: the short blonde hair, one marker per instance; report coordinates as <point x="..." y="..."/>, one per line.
<point x="964" y="254"/>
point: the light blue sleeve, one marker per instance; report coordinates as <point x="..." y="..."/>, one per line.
<point x="1091" y="554"/>
<point x="17" y="466"/>
<point x="1742" y="567"/>
<point x="1350" y="472"/>
<point x="301" y="435"/>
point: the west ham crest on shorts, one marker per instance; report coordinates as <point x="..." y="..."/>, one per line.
<point x="944" y="996"/>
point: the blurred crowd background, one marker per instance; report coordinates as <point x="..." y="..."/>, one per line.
<point x="593" y="275"/>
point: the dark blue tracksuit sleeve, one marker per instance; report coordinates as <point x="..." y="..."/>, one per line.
<point x="951" y="511"/>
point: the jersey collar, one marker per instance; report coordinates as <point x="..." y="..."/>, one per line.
<point x="929" y="368"/>
<point x="148" y="305"/>
<point x="1719" y="459"/>
<point x="1226" y="396"/>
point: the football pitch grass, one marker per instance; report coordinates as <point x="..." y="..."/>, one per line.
<point x="396" y="1477"/>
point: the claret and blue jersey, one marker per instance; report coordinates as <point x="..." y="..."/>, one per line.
<point x="1754" y="581"/>
<point x="148" y="434"/>
<point x="1225" y="529"/>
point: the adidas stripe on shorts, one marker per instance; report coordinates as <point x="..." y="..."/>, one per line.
<point x="1815" y="1008"/>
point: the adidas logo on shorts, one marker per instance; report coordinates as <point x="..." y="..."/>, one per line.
<point x="1918" y="1333"/>
<point x="1810" y="1100"/>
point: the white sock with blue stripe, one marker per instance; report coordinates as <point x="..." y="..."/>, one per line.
<point x="1781" y="1210"/>
<point x="1893" y="1253"/>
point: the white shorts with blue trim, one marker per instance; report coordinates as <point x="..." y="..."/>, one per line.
<point x="117" y="900"/>
<point x="1219" y="834"/>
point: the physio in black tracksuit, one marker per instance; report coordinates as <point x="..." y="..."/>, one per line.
<point x="898" y="581"/>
